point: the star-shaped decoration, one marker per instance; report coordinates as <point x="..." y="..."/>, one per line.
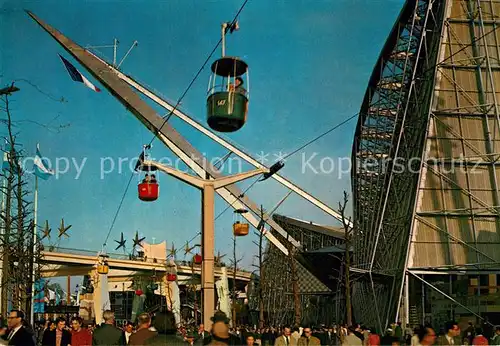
<point x="188" y="249"/>
<point x="46" y="230"/>
<point x="121" y="242"/>
<point x="63" y="229"/>
<point x="172" y="251"/>
<point x="137" y="240"/>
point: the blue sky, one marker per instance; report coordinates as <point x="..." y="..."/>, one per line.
<point x="310" y="62"/>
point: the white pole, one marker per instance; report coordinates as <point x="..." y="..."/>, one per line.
<point x="33" y="274"/>
<point x="224" y="39"/>
<point x="115" y="43"/>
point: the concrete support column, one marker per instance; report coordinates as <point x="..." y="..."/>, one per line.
<point x="97" y="297"/>
<point x="207" y="248"/>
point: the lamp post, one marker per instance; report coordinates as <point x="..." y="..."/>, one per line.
<point x="207" y="187"/>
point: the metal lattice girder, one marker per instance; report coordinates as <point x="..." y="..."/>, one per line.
<point x="390" y="128"/>
<point x="164" y="131"/>
<point x="321" y="300"/>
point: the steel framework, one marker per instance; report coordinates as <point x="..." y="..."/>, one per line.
<point x="425" y="173"/>
<point x="321" y="300"/>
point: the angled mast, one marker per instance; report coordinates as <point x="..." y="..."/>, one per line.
<point x="164" y="131"/>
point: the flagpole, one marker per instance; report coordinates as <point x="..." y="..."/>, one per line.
<point x="35" y="223"/>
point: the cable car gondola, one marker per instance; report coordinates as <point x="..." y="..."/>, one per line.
<point x="197" y="259"/>
<point x="148" y="189"/>
<point x="240" y="228"/>
<point x="228" y="93"/>
<point x="102" y="265"/>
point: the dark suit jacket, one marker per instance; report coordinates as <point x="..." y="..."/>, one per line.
<point x="442" y="340"/>
<point x="49" y="338"/>
<point x="139" y="338"/>
<point x="22" y="338"/>
<point x="107" y="335"/>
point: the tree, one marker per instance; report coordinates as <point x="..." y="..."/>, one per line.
<point x="20" y="251"/>
<point x="260" y="267"/>
<point x="347" y="257"/>
<point x="292" y="251"/>
<point x="234" y="293"/>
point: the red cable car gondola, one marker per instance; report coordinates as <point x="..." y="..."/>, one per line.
<point x="171" y="277"/>
<point x="148" y="189"/>
<point x="148" y="192"/>
<point x="197" y="259"/>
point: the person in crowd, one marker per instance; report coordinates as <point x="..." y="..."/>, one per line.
<point x="164" y="324"/>
<point x="398" y="331"/>
<point x="107" y="334"/>
<point x="479" y="339"/>
<point x="352" y="339"/>
<point x="220" y="331"/>
<point x="307" y="339"/>
<point x="202" y="336"/>
<point x="487" y="328"/>
<point x="285" y="339"/>
<point x="426" y="336"/>
<point x="388" y="337"/>
<point x="18" y="334"/>
<point x="129" y="329"/>
<point x="452" y="335"/>
<point x="495" y="340"/>
<point x="142" y="333"/>
<point x="373" y="338"/>
<point x="295" y="334"/>
<point x="414" y="339"/>
<point x="469" y="333"/>
<point x="250" y="340"/>
<point x="79" y="336"/>
<point x="59" y="336"/>
<point x="267" y="337"/>
<point x="358" y="332"/>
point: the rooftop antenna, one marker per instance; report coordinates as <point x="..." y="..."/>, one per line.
<point x="115" y="51"/>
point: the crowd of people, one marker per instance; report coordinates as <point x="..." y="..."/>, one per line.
<point x="161" y="329"/>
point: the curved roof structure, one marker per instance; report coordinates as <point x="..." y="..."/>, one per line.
<point x="389" y="135"/>
<point x="426" y="173"/>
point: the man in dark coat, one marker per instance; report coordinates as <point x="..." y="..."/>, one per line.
<point x="143" y="333"/>
<point x="164" y="324"/>
<point x="107" y="334"/>
<point x="50" y="336"/>
<point x="17" y="334"/>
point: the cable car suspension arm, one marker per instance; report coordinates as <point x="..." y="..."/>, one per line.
<point x="107" y="75"/>
<point x="247" y="157"/>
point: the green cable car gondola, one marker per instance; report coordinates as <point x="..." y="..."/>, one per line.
<point x="228" y="91"/>
<point x="227" y="103"/>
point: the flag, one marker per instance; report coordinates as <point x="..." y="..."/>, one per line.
<point x="39" y="296"/>
<point x="6" y="160"/>
<point x="6" y="163"/>
<point x="41" y="167"/>
<point x="77" y="76"/>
